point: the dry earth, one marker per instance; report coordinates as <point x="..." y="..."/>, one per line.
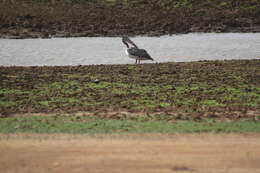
<point x="219" y="153"/>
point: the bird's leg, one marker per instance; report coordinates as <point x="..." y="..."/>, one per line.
<point x="139" y="61"/>
<point x="136" y="61"/>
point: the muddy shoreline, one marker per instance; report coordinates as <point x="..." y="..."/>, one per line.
<point x="45" y="19"/>
<point x="205" y="89"/>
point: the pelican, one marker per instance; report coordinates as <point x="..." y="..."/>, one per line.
<point x="134" y="52"/>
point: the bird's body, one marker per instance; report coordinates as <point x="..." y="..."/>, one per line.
<point x="139" y="54"/>
<point x="134" y="52"/>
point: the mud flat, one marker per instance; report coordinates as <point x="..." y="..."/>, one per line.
<point x="81" y="18"/>
<point x="234" y="153"/>
<point x="204" y="89"/>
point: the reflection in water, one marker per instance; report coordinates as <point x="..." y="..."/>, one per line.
<point x="110" y="50"/>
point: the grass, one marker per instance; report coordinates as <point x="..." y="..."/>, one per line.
<point x="73" y="124"/>
<point x="72" y="91"/>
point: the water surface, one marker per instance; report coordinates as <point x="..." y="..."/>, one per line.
<point x="110" y="50"/>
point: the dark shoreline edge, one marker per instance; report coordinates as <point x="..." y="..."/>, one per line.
<point x="130" y="64"/>
<point x="82" y="35"/>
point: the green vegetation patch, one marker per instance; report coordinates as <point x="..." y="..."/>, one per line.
<point x="73" y="124"/>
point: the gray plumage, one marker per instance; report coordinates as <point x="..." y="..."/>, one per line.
<point x="139" y="53"/>
<point x="134" y="52"/>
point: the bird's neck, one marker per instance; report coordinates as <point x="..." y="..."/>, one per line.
<point x="126" y="44"/>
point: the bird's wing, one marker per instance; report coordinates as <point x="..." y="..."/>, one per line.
<point x="139" y="53"/>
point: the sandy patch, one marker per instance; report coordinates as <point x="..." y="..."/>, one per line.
<point x="130" y="153"/>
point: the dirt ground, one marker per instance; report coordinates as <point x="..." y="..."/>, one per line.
<point x="130" y="153"/>
<point x="205" y="89"/>
<point x="81" y="18"/>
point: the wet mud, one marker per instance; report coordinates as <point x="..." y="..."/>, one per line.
<point x="205" y="89"/>
<point x="80" y="18"/>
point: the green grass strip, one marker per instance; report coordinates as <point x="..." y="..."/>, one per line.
<point x="72" y="124"/>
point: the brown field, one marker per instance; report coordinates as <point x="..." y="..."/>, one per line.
<point x="205" y="89"/>
<point x="220" y="153"/>
<point x="81" y="18"/>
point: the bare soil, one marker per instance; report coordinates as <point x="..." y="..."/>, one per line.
<point x="79" y="18"/>
<point x="130" y="153"/>
<point x="206" y="89"/>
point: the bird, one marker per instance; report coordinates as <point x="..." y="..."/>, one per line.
<point x="134" y="52"/>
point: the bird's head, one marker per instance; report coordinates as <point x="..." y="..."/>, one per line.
<point x="125" y="40"/>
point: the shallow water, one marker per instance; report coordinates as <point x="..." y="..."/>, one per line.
<point x="110" y="50"/>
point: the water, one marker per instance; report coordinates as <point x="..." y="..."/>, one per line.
<point x="110" y="50"/>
